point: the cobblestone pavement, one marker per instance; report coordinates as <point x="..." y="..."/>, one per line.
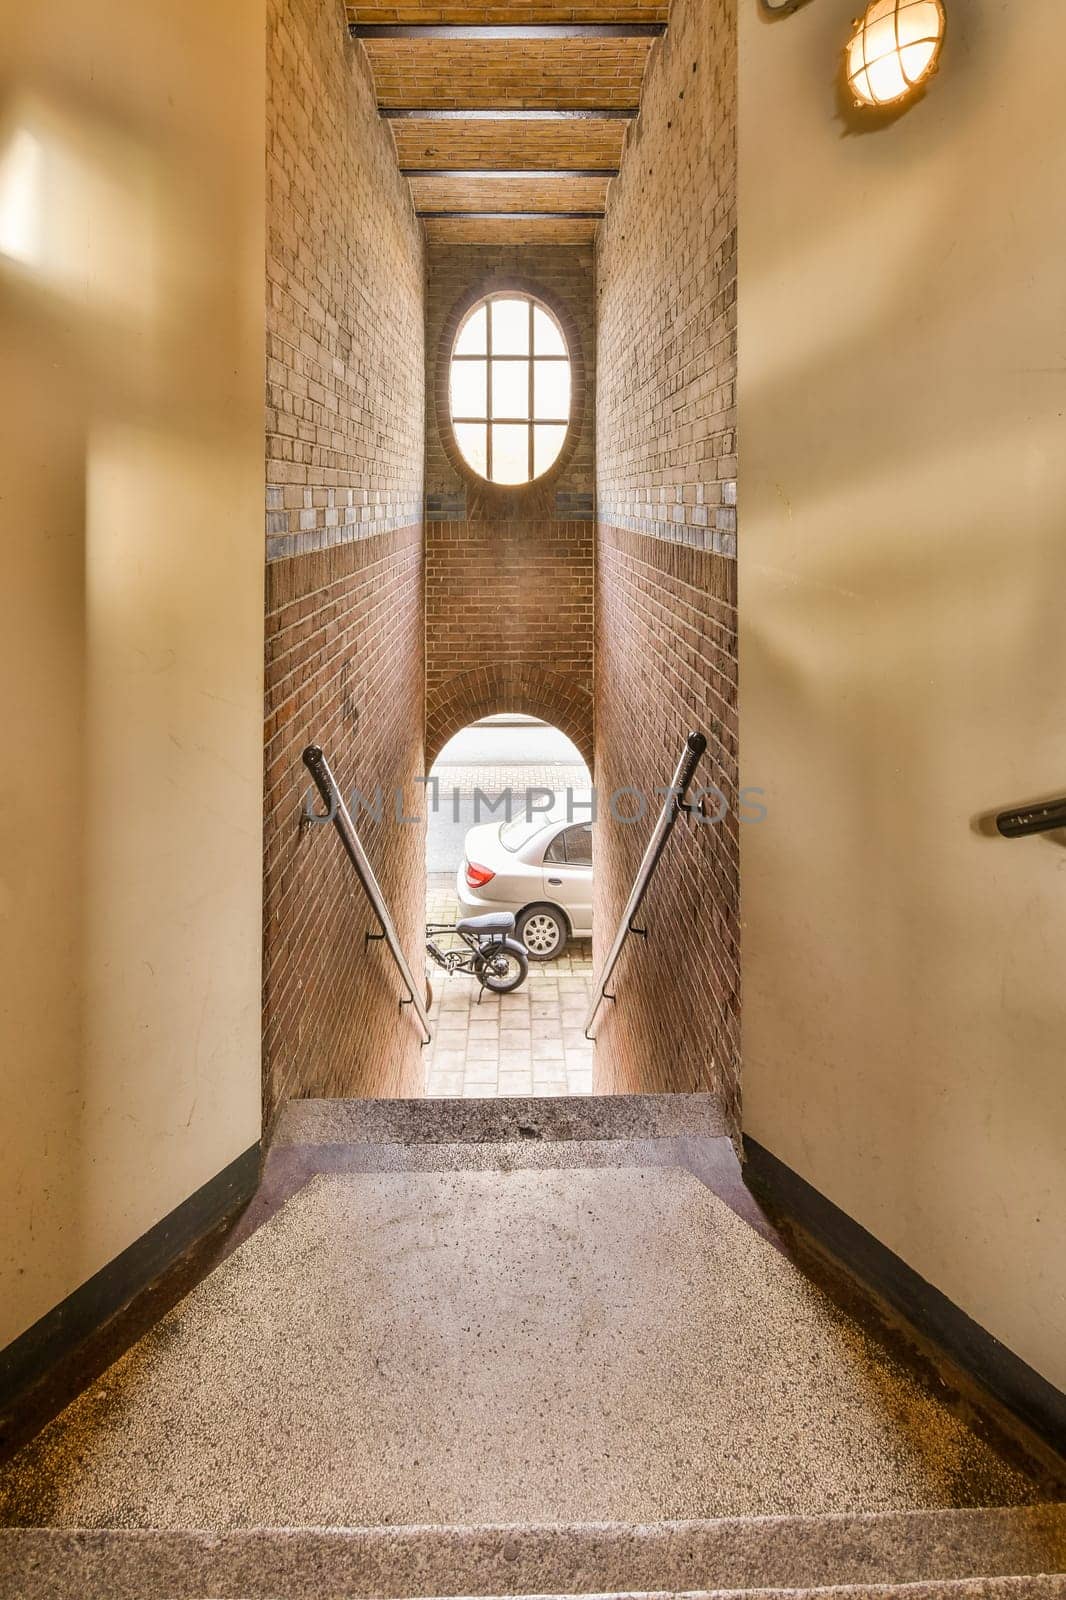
<point x="529" y="1042"/>
<point x="492" y="780"/>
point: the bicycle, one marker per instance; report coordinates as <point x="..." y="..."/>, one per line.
<point x="497" y="961"/>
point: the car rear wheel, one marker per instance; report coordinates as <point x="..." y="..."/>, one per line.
<point x="544" y="932"/>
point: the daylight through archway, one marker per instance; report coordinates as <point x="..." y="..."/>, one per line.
<point x="509" y="836"/>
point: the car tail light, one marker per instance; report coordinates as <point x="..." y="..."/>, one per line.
<point x="477" y="877"/>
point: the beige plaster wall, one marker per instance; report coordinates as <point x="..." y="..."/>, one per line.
<point x="903" y="648"/>
<point x="131" y="622"/>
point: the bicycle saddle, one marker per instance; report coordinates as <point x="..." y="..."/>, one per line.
<point x="493" y="922"/>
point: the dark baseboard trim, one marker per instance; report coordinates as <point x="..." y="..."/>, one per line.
<point x="28" y="1363"/>
<point x="1016" y="1386"/>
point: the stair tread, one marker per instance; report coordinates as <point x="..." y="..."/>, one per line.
<point x="517" y="1346"/>
<point x="751" y="1555"/>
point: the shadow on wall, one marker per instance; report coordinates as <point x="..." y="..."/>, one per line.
<point x="131" y="333"/>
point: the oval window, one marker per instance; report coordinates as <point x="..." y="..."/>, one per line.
<point x="509" y="388"/>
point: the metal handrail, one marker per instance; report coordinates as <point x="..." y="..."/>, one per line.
<point x="338" y="814"/>
<point x="1042" y="817"/>
<point x="674" y="803"/>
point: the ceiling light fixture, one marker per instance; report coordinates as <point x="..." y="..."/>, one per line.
<point x="894" y="49"/>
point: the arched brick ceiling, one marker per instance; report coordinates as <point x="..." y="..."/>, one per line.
<point x="476" y="159"/>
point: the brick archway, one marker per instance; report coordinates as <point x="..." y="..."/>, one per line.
<point x="520" y="687"/>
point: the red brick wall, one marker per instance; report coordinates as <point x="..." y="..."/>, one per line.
<point x="344" y="667"/>
<point x="509" y="625"/>
<point x="344" y="625"/>
<point x="509" y="573"/>
<point x="666" y="657"/>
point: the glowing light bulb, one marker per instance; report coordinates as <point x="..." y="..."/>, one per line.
<point x="894" y="49"/>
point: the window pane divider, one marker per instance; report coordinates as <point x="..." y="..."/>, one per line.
<point x="497" y="357"/>
<point x="488" y="390"/>
<point x="529" y="405"/>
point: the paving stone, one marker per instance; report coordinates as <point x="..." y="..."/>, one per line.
<point x="521" y="1082"/>
<point x="479" y="1045"/>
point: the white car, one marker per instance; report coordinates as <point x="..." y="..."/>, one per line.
<point x="541" y="869"/>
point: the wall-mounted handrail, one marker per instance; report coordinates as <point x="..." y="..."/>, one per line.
<point x="674" y="803"/>
<point x="1042" y="817"/>
<point x="338" y="814"/>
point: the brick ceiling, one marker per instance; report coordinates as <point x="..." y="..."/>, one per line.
<point x="471" y="78"/>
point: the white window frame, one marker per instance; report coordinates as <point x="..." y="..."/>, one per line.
<point x="530" y="422"/>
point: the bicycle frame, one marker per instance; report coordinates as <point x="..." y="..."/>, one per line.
<point x="456" y="960"/>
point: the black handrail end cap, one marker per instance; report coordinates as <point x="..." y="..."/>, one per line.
<point x="697" y="743"/>
<point x="1043" y="816"/>
<point x="312" y="754"/>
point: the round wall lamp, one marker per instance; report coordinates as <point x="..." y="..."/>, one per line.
<point x="895" y="48"/>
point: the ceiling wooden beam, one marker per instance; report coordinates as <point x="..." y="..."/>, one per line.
<point x="510" y="216"/>
<point x="456" y="33"/>
<point x="509" y="114"/>
<point x="463" y="173"/>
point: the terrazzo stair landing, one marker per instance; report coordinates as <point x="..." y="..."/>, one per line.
<point x="508" y="1348"/>
<point x="1007" y="1553"/>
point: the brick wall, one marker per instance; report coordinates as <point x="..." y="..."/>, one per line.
<point x="509" y="573"/>
<point x="666" y="658"/>
<point x="344" y="624"/>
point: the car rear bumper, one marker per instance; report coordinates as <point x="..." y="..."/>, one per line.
<point x="474" y="904"/>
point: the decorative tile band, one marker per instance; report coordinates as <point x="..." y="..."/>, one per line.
<point x="573" y="505"/>
<point x="299" y="520"/>
<point x="703" y="516"/>
<point x="447" y="506"/>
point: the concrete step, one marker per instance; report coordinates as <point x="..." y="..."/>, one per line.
<point x="936" y="1551"/>
<point x="1039" y="1588"/>
<point x="1046" y="1587"/>
<point x="500" y="1120"/>
<point x="1035" y="1588"/>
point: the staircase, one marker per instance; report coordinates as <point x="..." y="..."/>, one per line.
<point x="519" y="1347"/>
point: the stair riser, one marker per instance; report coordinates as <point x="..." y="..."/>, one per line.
<point x="501" y="1119"/>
